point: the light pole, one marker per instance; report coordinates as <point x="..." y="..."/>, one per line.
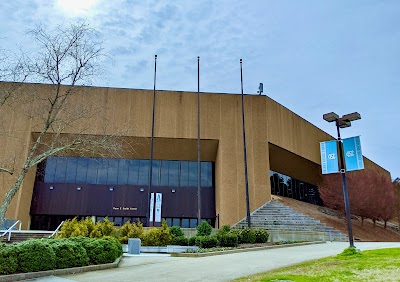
<point x="343" y="122"/>
<point x="245" y="152"/>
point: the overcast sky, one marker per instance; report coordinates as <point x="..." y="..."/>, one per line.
<point x="313" y="57"/>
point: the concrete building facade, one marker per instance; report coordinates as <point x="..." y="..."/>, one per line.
<point x="278" y="140"/>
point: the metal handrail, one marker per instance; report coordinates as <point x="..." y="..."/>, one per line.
<point x="55" y="231"/>
<point x="9" y="230"/>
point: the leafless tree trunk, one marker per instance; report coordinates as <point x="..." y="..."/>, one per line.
<point x="68" y="57"/>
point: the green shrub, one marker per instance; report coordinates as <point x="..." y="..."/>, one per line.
<point x="117" y="246"/>
<point x="204" y="229"/>
<point x="102" y="229"/>
<point x="176" y="231"/>
<point x="151" y="237"/>
<point x="224" y="230"/>
<point x="68" y="253"/>
<point x="350" y="252"/>
<point x="35" y="255"/>
<point x="68" y="228"/>
<point x="130" y="230"/>
<point x="238" y="233"/>
<point x="248" y="235"/>
<point x="86" y="228"/>
<point x="180" y="241"/>
<point x="165" y="235"/>
<point x="192" y="241"/>
<point x="8" y="259"/>
<point x="228" y="240"/>
<point x="261" y="235"/>
<point x="104" y="250"/>
<point x="206" y="241"/>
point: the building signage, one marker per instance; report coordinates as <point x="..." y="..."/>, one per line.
<point x="124" y="209"/>
<point x="151" y="207"/>
<point x="329" y="157"/>
<point x="158" y="207"/>
<point x="352" y="153"/>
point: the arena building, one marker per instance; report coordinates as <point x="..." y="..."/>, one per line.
<point x="282" y="156"/>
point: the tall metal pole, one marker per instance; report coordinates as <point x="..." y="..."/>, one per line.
<point x="198" y="145"/>
<point x="346" y="196"/>
<point x="245" y="151"/>
<point x="152" y="141"/>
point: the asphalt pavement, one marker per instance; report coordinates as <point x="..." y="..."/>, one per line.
<point x="212" y="268"/>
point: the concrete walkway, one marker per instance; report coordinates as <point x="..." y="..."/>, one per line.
<point x="213" y="268"/>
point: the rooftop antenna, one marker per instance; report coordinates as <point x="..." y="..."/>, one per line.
<point x="260" y="89"/>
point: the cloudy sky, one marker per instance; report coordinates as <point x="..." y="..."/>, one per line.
<point x="313" y="56"/>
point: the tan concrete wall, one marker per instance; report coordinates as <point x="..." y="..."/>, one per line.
<point x="126" y="115"/>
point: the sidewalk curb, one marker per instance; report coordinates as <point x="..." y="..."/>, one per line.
<point x="56" y="272"/>
<point x="217" y="253"/>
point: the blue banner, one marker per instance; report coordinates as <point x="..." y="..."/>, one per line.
<point x="329" y="157"/>
<point x="352" y="153"/>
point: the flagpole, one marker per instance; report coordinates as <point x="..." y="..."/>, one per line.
<point x="198" y="146"/>
<point x="245" y="151"/>
<point x="152" y="142"/>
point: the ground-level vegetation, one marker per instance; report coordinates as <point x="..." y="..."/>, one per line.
<point x="351" y="265"/>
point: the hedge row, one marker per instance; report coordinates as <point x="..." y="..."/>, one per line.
<point x="46" y="254"/>
<point x="225" y="237"/>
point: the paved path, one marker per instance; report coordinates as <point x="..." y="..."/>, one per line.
<point x="213" y="268"/>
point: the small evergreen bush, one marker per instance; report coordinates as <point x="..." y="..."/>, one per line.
<point x="204" y="229"/>
<point x="35" y="255"/>
<point x="68" y="253"/>
<point x="180" y="241"/>
<point x="176" y="231"/>
<point x="130" y="230"/>
<point x="151" y="237"/>
<point x="101" y="250"/>
<point x="224" y="230"/>
<point x="248" y="236"/>
<point x="165" y="235"/>
<point x="238" y="233"/>
<point x="206" y="241"/>
<point x="192" y="241"/>
<point x="8" y="259"/>
<point x="228" y="240"/>
<point x="261" y="235"/>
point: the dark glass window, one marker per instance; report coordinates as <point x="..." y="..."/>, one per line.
<point x="176" y="222"/>
<point x="50" y="169"/>
<point x="206" y="174"/>
<point x="193" y="223"/>
<point x="70" y="175"/>
<point x="118" y="221"/>
<point x="155" y="181"/>
<point x="126" y="172"/>
<point x="60" y="170"/>
<point x="81" y="170"/>
<point x="143" y="172"/>
<point x="133" y="172"/>
<point x="112" y="176"/>
<point x="184" y="174"/>
<point x="290" y="187"/>
<point x="91" y="176"/>
<point x="164" y="173"/>
<point x="173" y="174"/>
<point x="102" y="171"/>
<point x="123" y="172"/>
<point x="192" y="174"/>
<point x="185" y="222"/>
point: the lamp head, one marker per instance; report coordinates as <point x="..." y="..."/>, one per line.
<point x="351" y="117"/>
<point x="330" y="117"/>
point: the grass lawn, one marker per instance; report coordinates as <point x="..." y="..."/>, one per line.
<point x="374" y="265"/>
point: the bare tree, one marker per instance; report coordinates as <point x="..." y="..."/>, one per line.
<point x="371" y="194"/>
<point x="67" y="58"/>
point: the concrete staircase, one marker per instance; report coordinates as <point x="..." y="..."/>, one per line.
<point x="22" y="235"/>
<point x="278" y="218"/>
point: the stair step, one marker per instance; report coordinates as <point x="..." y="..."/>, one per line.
<point x="275" y="216"/>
